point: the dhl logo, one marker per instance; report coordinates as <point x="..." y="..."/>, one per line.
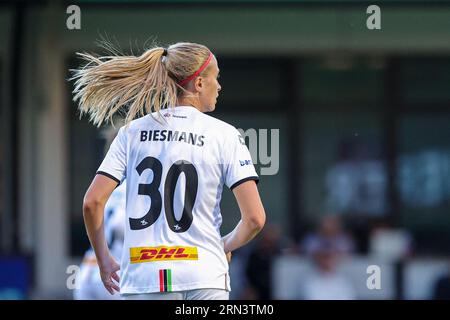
<point x="162" y="253"/>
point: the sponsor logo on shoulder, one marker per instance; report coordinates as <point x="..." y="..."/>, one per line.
<point x="245" y="162"/>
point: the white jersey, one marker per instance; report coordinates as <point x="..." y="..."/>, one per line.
<point x="175" y="169"/>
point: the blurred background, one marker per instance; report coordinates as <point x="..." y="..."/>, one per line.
<point x="360" y="205"/>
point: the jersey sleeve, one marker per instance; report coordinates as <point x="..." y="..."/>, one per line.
<point x="238" y="164"/>
<point x="114" y="164"/>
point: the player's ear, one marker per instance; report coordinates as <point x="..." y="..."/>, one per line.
<point x="198" y="84"/>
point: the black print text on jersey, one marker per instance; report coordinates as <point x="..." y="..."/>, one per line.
<point x="169" y="135"/>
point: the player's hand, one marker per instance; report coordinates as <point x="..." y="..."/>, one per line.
<point x="228" y="257"/>
<point x="108" y="273"/>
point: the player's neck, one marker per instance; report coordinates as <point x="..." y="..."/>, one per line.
<point x="186" y="101"/>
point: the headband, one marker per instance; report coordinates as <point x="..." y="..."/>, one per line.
<point x="203" y="66"/>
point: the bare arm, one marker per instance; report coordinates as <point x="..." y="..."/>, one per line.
<point x="93" y="212"/>
<point x="253" y="216"/>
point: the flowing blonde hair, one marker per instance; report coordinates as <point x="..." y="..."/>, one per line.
<point x="135" y="85"/>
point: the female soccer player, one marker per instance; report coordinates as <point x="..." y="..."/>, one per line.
<point x="176" y="160"/>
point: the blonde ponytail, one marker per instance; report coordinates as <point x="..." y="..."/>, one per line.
<point x="134" y="85"/>
<point x="106" y="85"/>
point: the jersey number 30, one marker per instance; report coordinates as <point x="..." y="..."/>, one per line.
<point x="152" y="190"/>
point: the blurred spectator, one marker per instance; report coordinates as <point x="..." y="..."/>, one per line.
<point x="329" y="233"/>
<point x="259" y="264"/>
<point x="326" y="246"/>
<point x="390" y="243"/>
<point x="324" y="281"/>
<point x="441" y="289"/>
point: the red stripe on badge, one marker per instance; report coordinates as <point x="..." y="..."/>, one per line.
<point x="161" y="280"/>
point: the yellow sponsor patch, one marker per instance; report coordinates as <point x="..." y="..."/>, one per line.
<point x="162" y="253"/>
